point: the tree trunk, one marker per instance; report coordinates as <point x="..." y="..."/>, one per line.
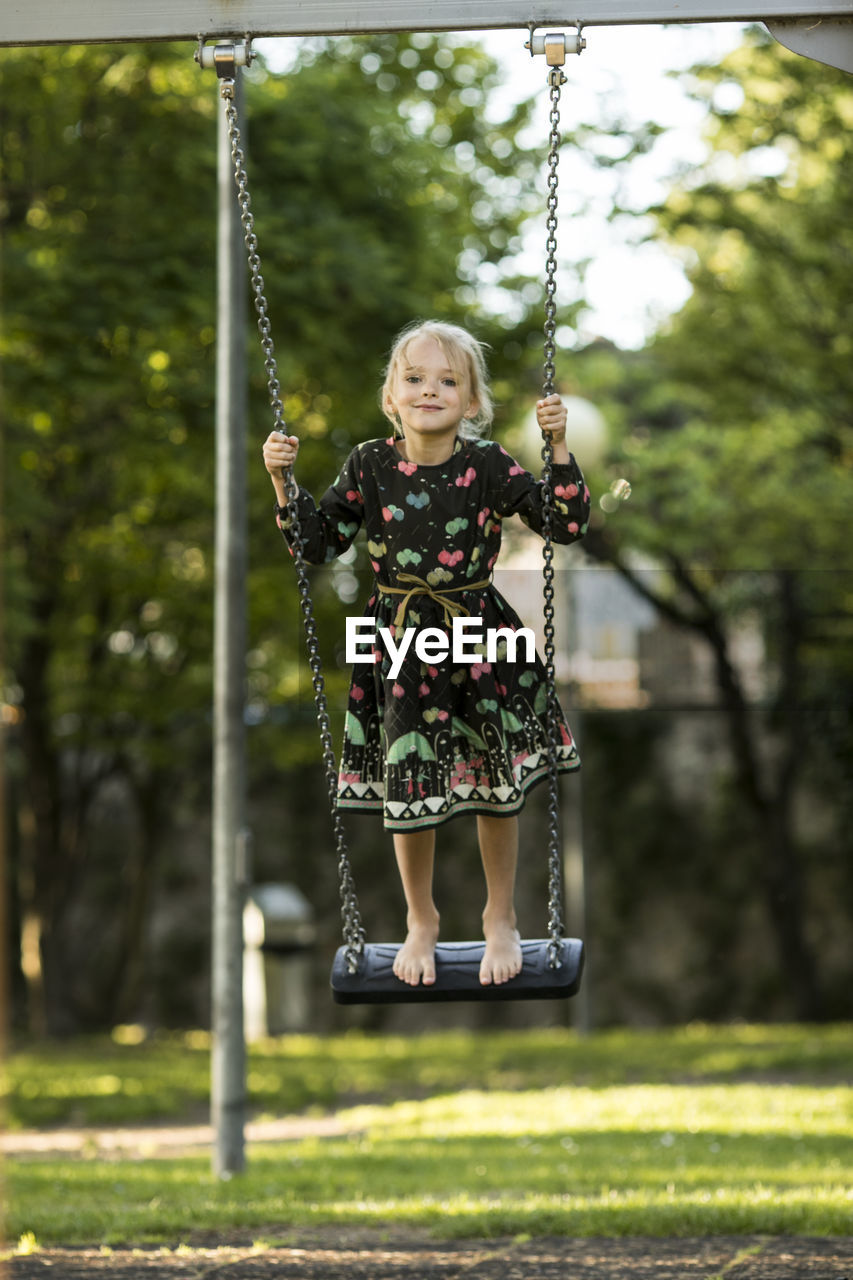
<point x="129" y="969"/>
<point x="769" y="790"/>
<point x="42" y="884"/>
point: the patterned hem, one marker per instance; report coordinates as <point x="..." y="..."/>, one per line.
<point x="434" y="811"/>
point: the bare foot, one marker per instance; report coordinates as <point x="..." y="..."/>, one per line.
<point x="502" y="958"/>
<point x="415" y="961"/>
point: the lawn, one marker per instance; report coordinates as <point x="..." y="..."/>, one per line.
<point x="695" y="1131"/>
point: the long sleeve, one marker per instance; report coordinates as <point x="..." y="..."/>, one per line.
<point x="517" y="492"/>
<point x="329" y="526"/>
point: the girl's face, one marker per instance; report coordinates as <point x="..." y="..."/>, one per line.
<point x="430" y="398"/>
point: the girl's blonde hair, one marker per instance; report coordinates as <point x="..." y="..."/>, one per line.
<point x="464" y="355"/>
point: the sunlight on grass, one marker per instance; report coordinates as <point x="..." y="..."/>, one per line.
<point x="642" y="1159"/>
<point x="27" y="1245"/>
<point x="727" y="1110"/>
<point x="129" y="1078"/>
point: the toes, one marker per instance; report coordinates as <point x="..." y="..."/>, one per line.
<point x="406" y="972"/>
<point x="497" y="975"/>
<point x="502" y="967"/>
<point x="414" y="970"/>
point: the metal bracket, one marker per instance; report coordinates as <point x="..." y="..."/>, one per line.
<point x="224" y="58"/>
<point x="555" y="45"/>
<point x="828" y="40"/>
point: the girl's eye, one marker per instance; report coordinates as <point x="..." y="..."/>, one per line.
<point x="412" y="377"/>
<point x="449" y="382"/>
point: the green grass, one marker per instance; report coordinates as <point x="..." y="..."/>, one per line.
<point x="690" y="1132"/>
<point x="120" y="1079"/>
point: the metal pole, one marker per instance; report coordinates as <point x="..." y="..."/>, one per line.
<point x="228" y="1070"/>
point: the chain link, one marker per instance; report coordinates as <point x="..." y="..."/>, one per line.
<point x="353" y="931"/>
<point x="555" y="870"/>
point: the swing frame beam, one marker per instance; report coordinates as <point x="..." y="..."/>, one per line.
<point x="25" y="22"/>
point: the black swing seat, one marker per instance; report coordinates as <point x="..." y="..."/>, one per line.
<point x="457" y="975"/>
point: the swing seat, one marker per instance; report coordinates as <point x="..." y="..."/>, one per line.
<point x="457" y="975"/>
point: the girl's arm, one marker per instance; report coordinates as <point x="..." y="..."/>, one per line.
<point x="328" y="527"/>
<point x="279" y="452"/>
<point x="520" y="493"/>
<point x="551" y="415"/>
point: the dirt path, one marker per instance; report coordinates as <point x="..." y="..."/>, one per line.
<point x="336" y="1255"/>
<point x="168" y="1140"/>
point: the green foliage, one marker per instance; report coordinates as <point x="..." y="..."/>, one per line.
<point x="107" y="351"/>
<point x="735" y="423"/>
<point x="107" y="347"/>
<point x="767" y="238"/>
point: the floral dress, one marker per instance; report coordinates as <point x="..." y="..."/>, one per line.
<point x="440" y="737"/>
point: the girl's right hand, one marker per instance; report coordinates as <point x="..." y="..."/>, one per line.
<point x="279" y="452"/>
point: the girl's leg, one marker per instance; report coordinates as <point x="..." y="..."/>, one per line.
<point x="499" y="849"/>
<point x="415" y="960"/>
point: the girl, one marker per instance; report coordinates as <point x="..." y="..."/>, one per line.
<point x="427" y="737"/>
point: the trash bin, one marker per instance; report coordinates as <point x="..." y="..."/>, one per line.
<point x="278" y="936"/>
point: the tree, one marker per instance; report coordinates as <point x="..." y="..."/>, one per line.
<point x="735" y="430"/>
<point x="370" y="209"/>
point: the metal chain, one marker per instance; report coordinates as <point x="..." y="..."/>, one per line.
<point x="549" y="371"/>
<point x="555" y="869"/>
<point x="353" y="931"/>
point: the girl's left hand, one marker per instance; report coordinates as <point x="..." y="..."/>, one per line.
<point x="551" y="415"/>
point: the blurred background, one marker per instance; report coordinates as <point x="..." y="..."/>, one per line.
<point x="706" y="624"/>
